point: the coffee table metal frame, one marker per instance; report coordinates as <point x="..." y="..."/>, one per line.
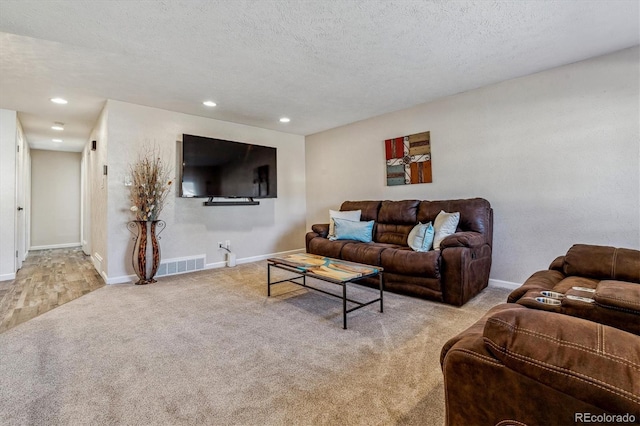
<point x="303" y="274"/>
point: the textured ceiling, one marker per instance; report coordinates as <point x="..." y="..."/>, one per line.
<point x="322" y="63"/>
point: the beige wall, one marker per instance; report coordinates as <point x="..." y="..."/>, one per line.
<point x="276" y="225"/>
<point x="55" y="199"/>
<point x="556" y="153"/>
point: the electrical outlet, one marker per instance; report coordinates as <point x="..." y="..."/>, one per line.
<point x="227" y="244"/>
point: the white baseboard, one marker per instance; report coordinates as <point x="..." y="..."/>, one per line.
<point x="8" y="277"/>
<point x="132" y="278"/>
<point x="96" y="260"/>
<point x="503" y="284"/>
<point x="256" y="258"/>
<point x="55" y="246"/>
<point x="124" y="279"/>
<point x="218" y="264"/>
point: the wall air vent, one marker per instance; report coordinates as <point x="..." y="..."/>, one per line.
<point x="181" y="265"/>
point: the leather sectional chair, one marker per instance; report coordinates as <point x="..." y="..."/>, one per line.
<point x="453" y="274"/>
<point x="533" y="361"/>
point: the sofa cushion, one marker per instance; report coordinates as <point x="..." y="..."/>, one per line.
<point x="395" y="220"/>
<point x="421" y="237"/>
<point x="389" y="233"/>
<point x="369" y="209"/>
<point x="348" y="214"/>
<point x="444" y="225"/>
<point x="475" y="213"/>
<point x="592" y="362"/>
<point x="353" y="230"/>
<point x="399" y="212"/>
<point x="368" y="254"/>
<point x="326" y="247"/>
<point x="602" y="262"/>
<point x="409" y="262"/>
<point x="568" y="283"/>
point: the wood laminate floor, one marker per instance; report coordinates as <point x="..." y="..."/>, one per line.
<point x="47" y="279"/>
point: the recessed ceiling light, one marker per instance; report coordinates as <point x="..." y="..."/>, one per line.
<point x="285" y="120"/>
<point x="209" y="103"/>
<point x="59" y="101"/>
<point x="58" y="126"/>
<point x="56" y="140"/>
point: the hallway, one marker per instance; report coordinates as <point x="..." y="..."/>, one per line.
<point x="47" y="279"/>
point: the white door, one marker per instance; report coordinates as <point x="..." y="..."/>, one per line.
<point x="20" y="201"/>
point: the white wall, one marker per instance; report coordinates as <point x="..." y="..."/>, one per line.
<point x="55" y="205"/>
<point x="8" y="123"/>
<point x="556" y="153"/>
<point x="276" y="225"/>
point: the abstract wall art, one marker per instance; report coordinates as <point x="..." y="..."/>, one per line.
<point x="408" y="159"/>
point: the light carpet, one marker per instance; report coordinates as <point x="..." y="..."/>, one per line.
<point x="211" y="348"/>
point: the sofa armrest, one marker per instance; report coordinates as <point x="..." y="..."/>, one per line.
<point x="619" y="295"/>
<point x="468" y="340"/>
<point x="539" y="281"/>
<point x="322" y="229"/>
<point x="463" y="239"/>
<point x="595" y="363"/>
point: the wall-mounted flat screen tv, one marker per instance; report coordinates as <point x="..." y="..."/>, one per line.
<point x="222" y="168"/>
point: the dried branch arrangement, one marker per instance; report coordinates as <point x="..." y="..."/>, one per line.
<point x="150" y="185"/>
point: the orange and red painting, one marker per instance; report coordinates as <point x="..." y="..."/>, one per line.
<point x="408" y="159"/>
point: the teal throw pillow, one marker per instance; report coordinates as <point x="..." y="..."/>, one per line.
<point x="348" y="214"/>
<point x="421" y="237"/>
<point x="353" y="230"/>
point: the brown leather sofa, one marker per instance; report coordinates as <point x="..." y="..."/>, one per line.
<point x="453" y="274"/>
<point x="533" y="362"/>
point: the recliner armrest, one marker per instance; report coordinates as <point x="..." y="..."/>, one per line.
<point x="463" y="239"/>
<point x="595" y="363"/>
<point x="619" y="295"/>
<point x="322" y="229"/>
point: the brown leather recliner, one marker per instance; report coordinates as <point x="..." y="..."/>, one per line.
<point x="454" y="274"/>
<point x="597" y="283"/>
<point x="566" y="349"/>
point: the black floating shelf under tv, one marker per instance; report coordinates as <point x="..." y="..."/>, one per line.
<point x="247" y="202"/>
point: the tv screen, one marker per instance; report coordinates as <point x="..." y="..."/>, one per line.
<point x="221" y="168"/>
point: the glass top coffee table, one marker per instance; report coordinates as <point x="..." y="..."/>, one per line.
<point x="329" y="270"/>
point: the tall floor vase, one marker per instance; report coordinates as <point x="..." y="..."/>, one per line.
<point x="146" y="250"/>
